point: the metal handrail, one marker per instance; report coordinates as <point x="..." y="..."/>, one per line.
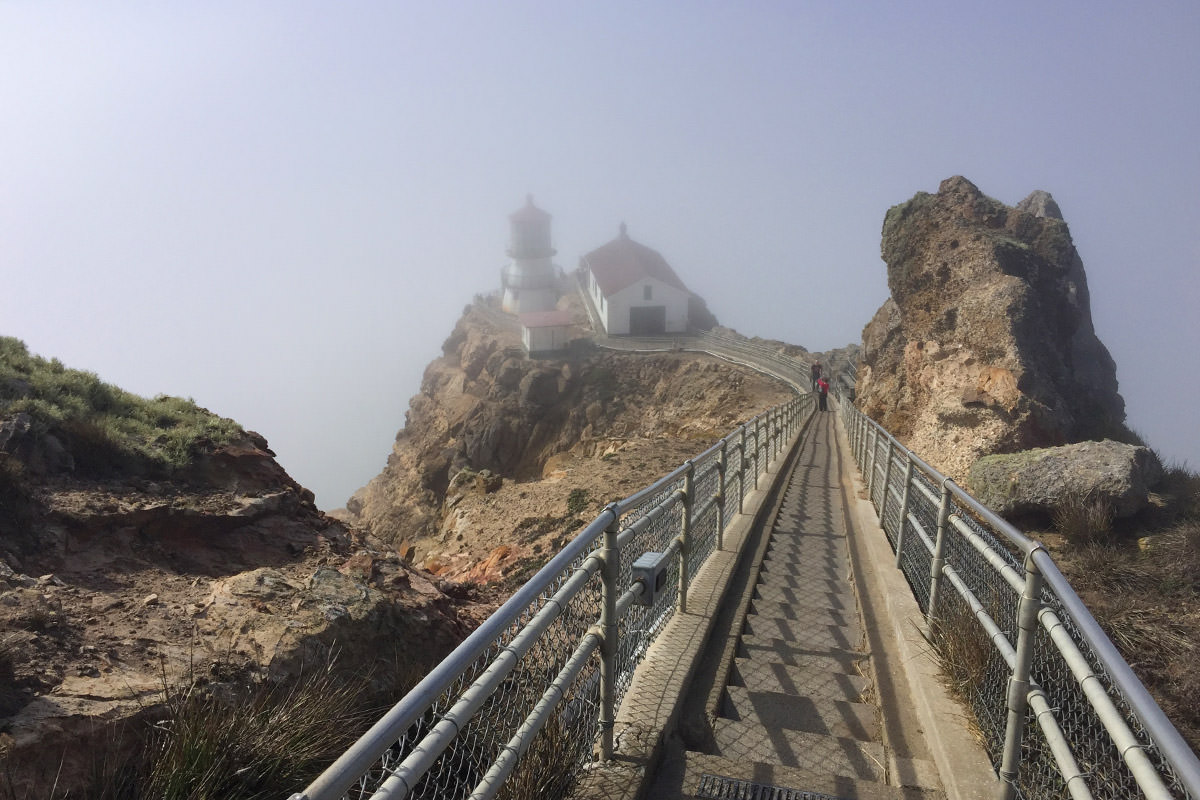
<point x="1095" y="729"/>
<point x="760" y="357"/>
<point x="460" y="731"/>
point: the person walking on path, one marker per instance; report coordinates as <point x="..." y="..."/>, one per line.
<point x="816" y="373"/>
<point x="822" y="394"/>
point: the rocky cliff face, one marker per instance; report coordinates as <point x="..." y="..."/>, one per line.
<point x="986" y="344"/>
<point x="500" y="451"/>
<point x="115" y="590"/>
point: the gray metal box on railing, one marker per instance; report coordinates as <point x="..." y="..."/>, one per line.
<point x="651" y="570"/>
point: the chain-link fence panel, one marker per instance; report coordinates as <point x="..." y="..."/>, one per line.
<point x="988" y="557"/>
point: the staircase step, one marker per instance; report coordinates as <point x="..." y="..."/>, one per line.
<point x="778" y="590"/>
<point x="812" y="637"/>
<point x="781" y="579"/>
<point x="814" y="714"/>
<point x="816" y="545"/>
<point x="749" y="741"/>
<point x="794" y="558"/>
<point x="802" y="680"/>
<point x="808" y="567"/>
<point x="772" y="649"/>
<point x="813" y="614"/>
<point x="698" y="765"/>
<point x="812" y="583"/>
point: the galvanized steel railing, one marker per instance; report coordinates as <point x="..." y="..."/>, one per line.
<point x="761" y="357"/>
<point x="560" y="654"/>
<point x="1061" y="712"/>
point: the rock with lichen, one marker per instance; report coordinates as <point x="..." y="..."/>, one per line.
<point x="986" y="344"/>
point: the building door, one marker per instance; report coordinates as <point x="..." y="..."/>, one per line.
<point x="647" y="320"/>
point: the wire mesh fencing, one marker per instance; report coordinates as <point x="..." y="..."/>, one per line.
<point x="527" y="700"/>
<point x="1001" y="615"/>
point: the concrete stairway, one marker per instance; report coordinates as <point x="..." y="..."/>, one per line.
<point x="795" y="713"/>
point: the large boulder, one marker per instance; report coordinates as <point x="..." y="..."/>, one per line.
<point x="1042" y="480"/>
<point x="986" y="344"/>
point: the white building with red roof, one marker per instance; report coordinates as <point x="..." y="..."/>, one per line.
<point x="634" y="289"/>
<point x="545" y="331"/>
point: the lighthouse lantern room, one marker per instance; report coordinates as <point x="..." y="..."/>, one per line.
<point x="530" y="280"/>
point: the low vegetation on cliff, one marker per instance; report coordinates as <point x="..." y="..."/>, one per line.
<point x="163" y="583"/>
<point x="74" y="420"/>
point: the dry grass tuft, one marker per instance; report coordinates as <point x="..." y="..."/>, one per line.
<point x="257" y="742"/>
<point x="1084" y="518"/>
<point x="1146" y="596"/>
<point x="547" y="770"/>
<point x="962" y="649"/>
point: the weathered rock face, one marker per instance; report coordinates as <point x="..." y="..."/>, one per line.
<point x="1043" y="480"/>
<point x="986" y="344"/>
<point x="111" y="590"/>
<point x="485" y="406"/>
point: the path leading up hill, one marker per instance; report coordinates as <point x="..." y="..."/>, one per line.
<point x="805" y="687"/>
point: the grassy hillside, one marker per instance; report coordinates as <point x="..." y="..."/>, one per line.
<point x="106" y="430"/>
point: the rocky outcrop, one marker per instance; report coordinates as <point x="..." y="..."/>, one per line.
<point x="115" y="591"/>
<point x="986" y="344"/>
<point x="485" y="406"/>
<point x="1043" y="480"/>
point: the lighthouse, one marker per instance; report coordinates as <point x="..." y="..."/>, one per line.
<point x="530" y="281"/>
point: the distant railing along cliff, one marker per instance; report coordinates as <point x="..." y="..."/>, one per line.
<point x="1061" y="712"/>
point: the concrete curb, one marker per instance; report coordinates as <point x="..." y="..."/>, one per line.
<point x="962" y="764"/>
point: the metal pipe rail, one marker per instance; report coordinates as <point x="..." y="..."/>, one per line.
<point x="1061" y="712"/>
<point x="760" y="357"/>
<point x="561" y="652"/>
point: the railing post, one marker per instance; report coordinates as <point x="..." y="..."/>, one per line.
<point x="741" y="468"/>
<point x="887" y="483"/>
<point x="859" y="423"/>
<point x="908" y="478"/>
<point x="865" y="440"/>
<point x="721" y="495"/>
<point x="685" y="533"/>
<point x="772" y="436"/>
<point x="1018" y="684"/>
<point x="757" y="448"/>
<point x="873" y="436"/>
<point x="939" y="551"/>
<point x="610" y="573"/>
<point x="778" y="432"/>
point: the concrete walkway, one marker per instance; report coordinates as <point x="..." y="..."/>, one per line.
<point x="802" y="692"/>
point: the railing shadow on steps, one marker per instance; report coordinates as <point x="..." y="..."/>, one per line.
<point x="1060" y="711"/>
<point x="559" y="655"/>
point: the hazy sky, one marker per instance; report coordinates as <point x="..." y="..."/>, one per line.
<point x="280" y="208"/>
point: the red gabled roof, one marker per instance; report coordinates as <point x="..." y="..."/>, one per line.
<point x="530" y="213"/>
<point x="623" y="262"/>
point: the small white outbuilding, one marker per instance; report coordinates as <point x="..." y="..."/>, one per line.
<point x="634" y="289"/>
<point x="545" y="331"/>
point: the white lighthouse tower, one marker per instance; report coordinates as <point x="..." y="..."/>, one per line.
<point x="530" y="281"/>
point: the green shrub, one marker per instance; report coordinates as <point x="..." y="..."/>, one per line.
<point x="577" y="501"/>
<point x="105" y="427"/>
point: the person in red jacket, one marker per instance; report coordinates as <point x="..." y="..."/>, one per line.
<point x="822" y="394"/>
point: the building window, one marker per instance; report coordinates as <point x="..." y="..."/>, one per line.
<point x="647" y="292"/>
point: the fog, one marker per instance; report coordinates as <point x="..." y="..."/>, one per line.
<point x="279" y="209"/>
